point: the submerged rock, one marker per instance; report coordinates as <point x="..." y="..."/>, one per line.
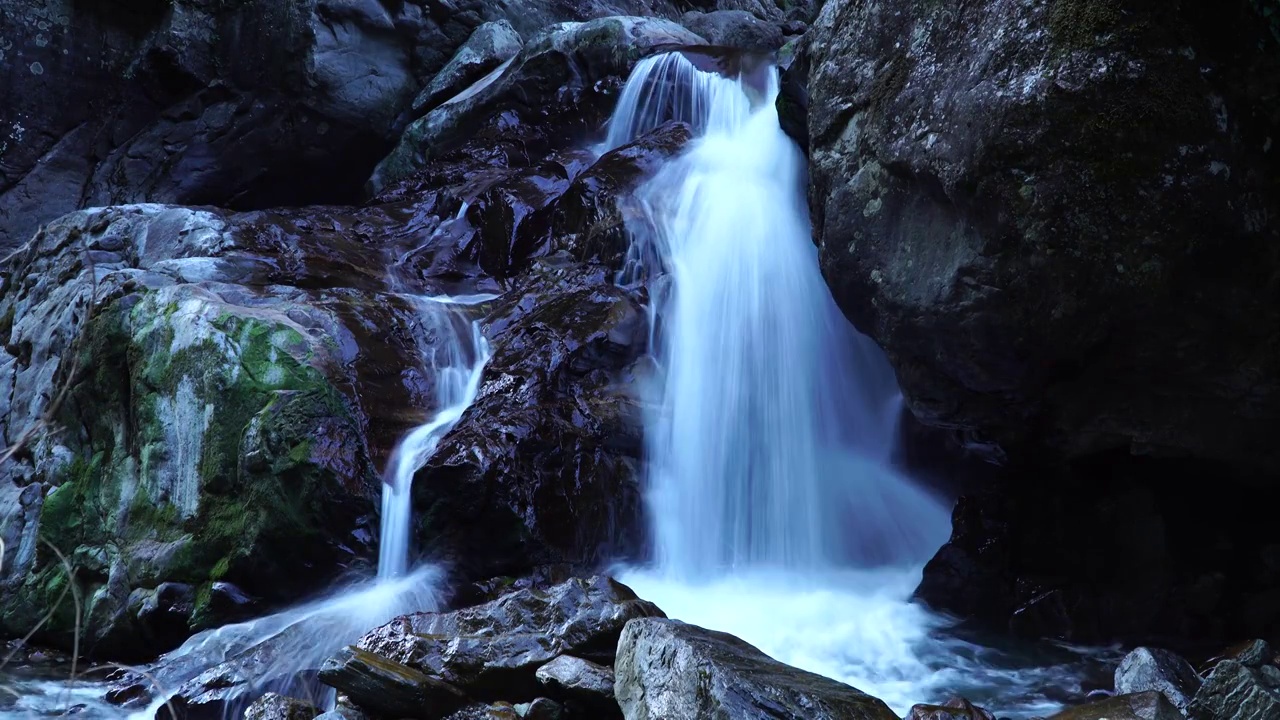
<point x="386" y="687"/>
<point x="493" y="651"/>
<point x="1046" y="264"/>
<point x="273" y="706"/>
<point x="667" y="669"/>
<point x="1142" y="706"/>
<point x="1147" y="669"/>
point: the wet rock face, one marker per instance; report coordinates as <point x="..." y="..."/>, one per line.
<point x="274" y="706"/>
<point x="556" y="93"/>
<point x="542" y="467"/>
<point x="668" y="669"/>
<point x="213" y="382"/>
<point x="1059" y="219"/>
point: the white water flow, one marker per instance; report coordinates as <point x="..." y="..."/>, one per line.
<point x="458" y="367"/>
<point x="776" y="514"/>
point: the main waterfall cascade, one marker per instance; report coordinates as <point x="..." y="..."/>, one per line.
<point x="776" y="513"/>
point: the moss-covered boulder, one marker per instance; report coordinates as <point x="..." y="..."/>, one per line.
<point x="199" y="388"/>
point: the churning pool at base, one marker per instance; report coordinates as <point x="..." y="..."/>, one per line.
<point x="860" y="627"/>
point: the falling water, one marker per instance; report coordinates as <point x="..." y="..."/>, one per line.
<point x="776" y="513"/>
<point x="457" y="366"/>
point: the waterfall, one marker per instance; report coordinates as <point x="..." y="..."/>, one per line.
<point x="771" y="435"/>
<point x="457" y="366"/>
<point x="776" y="513"/>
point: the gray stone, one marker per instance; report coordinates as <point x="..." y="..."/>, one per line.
<point x="1234" y="691"/>
<point x="493" y="651"/>
<point x="1153" y="669"/>
<point x="273" y="706"/>
<point x="386" y="687"/>
<point x="489" y="46"/>
<point x="667" y="669"/>
<point x="1253" y="654"/>
<point x="1141" y="706"/>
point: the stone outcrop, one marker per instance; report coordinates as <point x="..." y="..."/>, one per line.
<point x="556" y="92"/>
<point x="1244" y="686"/>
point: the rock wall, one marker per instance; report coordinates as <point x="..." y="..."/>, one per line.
<point x="1059" y="219"/>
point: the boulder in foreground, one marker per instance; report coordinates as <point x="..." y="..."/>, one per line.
<point x="667" y="670"/>
<point x="492" y="651"/>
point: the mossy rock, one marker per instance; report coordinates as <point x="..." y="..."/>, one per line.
<point x="206" y="445"/>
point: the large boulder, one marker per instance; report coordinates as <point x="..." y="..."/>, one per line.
<point x="389" y="688"/>
<point x="192" y="393"/>
<point x="582" y="684"/>
<point x="244" y="104"/>
<point x="668" y="669"/>
<point x="493" y="651"/>
<point x="734" y="28"/>
<point x="1059" y="219"/>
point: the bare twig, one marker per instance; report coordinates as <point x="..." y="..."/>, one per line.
<point x="71" y="580"/>
<point x="168" y="702"/>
